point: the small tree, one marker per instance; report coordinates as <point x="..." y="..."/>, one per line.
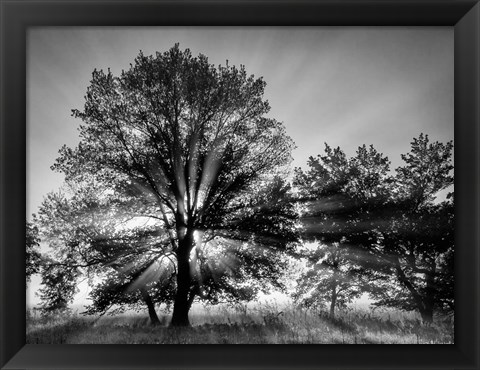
<point x="33" y="255"/>
<point x="330" y="277"/>
<point x="336" y="193"/>
<point x="58" y="287"/>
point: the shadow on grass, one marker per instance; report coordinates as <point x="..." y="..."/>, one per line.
<point x="57" y="333"/>
<point x="340" y="324"/>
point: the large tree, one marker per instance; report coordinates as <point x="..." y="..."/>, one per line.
<point x="193" y="142"/>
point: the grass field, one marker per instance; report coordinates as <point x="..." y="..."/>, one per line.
<point x="261" y="324"/>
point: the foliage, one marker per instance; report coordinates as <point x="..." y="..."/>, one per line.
<point x="33" y="255"/>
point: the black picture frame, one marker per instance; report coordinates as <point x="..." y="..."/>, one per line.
<point x="18" y="15"/>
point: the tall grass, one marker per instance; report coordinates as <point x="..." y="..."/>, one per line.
<point x="263" y="323"/>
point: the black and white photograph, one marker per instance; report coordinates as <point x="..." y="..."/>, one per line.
<point x="240" y="185"/>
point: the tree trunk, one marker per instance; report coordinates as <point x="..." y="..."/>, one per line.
<point x="181" y="305"/>
<point x="151" y="307"/>
<point x="334" y="290"/>
<point x="427" y="315"/>
<point x="429" y="301"/>
<point x="333" y="303"/>
<point x="424" y="304"/>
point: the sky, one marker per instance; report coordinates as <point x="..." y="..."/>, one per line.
<point x="346" y="86"/>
